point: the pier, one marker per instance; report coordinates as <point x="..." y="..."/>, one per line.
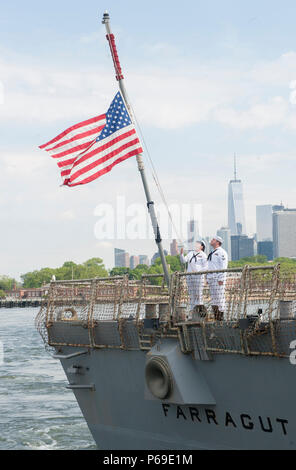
<point x="20" y="303"/>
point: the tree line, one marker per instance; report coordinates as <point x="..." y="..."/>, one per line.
<point x="95" y="267"/>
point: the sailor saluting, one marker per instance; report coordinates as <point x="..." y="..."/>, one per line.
<point x="217" y="259"/>
<point x="196" y="261"/>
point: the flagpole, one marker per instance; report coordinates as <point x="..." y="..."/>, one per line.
<point x="150" y="203"/>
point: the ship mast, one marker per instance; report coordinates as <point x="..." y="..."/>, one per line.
<point x="150" y="203"/>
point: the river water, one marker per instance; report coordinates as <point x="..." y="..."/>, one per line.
<point x="36" y="410"/>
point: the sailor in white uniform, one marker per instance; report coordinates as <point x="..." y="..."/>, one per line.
<point x="196" y="261"/>
<point x="217" y="259"/>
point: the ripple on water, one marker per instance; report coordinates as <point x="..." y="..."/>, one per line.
<point x="36" y="411"/>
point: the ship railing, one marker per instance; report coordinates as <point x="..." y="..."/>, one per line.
<point x="111" y="310"/>
<point x="114" y="311"/>
<point x="235" y="292"/>
<point x="252" y="313"/>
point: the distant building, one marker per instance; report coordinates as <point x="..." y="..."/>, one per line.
<point x="284" y="233"/>
<point x="194" y="231"/>
<point x="143" y="259"/>
<point x="121" y="258"/>
<point x="208" y="248"/>
<point x="27" y="293"/>
<point x="156" y="255"/>
<point x="174" y="250"/>
<point x="224" y="233"/>
<point x="279" y="207"/>
<point x="236" y="209"/>
<point x="264" y="222"/>
<point x="134" y="261"/>
<point x="266" y="248"/>
<point x="242" y="247"/>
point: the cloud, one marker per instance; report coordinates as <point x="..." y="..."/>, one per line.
<point x="104" y="244"/>
<point x="1" y="93"/>
<point x="161" y="49"/>
<point x="259" y="116"/>
<point x="67" y="215"/>
<point x="91" y="37"/>
<point x="278" y="72"/>
<point x="22" y="164"/>
<point x="167" y="98"/>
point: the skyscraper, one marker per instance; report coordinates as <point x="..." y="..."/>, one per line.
<point x="225" y="234"/>
<point x="194" y="233"/>
<point x="121" y="258"/>
<point x="242" y="247"/>
<point x="143" y="259"/>
<point x="284" y="233"/>
<point x="174" y="250"/>
<point x="264" y="223"/>
<point x="134" y="261"/>
<point x="266" y="248"/>
<point x="236" y="210"/>
<point x="156" y="255"/>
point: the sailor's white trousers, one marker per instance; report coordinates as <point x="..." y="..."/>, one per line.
<point x="217" y="293"/>
<point x="195" y="284"/>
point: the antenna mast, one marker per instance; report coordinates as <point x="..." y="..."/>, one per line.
<point x="150" y="203"/>
<point x="235" y="167"/>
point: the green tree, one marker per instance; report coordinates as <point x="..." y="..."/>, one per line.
<point x="121" y="271"/>
<point x="258" y="260"/>
<point x="173" y="262"/>
<point x="37" y="278"/>
<point x="91" y="268"/>
<point x="7" y="283"/>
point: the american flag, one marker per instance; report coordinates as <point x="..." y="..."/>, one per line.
<point x="66" y="147"/>
<point x="93" y="147"/>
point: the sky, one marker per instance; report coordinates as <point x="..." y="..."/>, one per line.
<point x="205" y="79"/>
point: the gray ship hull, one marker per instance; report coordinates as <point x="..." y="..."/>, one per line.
<point x="254" y="403"/>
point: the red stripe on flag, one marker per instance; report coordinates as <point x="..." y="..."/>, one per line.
<point x="103" y="159"/>
<point x="72" y="128"/>
<point x="106" y="169"/>
<point x="96" y="130"/>
<point x="66" y="162"/>
<point x="66" y="172"/>
<point x="103" y="147"/>
<point x="78" y="148"/>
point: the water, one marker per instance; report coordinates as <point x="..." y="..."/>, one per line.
<point x="36" y="410"/>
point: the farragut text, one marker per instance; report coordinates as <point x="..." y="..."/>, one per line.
<point x="228" y="420"/>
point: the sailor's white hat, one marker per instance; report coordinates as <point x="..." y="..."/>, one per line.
<point x="219" y="239"/>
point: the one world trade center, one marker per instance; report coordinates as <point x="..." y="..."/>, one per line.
<point x="236" y="209"/>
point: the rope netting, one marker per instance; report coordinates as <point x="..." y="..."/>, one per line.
<point x="225" y="295"/>
<point x="101" y="311"/>
<point x="248" y="310"/>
